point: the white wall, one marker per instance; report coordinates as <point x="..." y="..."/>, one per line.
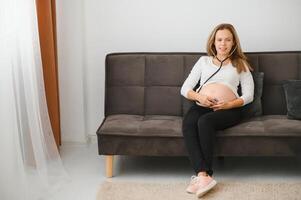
<point x="89" y="29"/>
<point x="71" y="70"/>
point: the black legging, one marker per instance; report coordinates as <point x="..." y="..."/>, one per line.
<point x="199" y="129"/>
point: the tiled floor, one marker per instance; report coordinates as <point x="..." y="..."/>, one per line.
<point x="86" y="170"/>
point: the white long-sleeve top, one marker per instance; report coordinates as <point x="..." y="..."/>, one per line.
<point x="227" y="75"/>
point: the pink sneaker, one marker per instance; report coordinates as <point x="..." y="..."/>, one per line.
<point x="199" y="185"/>
<point x="205" y="184"/>
<point x="193" y="186"/>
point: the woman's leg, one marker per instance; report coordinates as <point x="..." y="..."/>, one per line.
<point x="191" y="136"/>
<point x="208" y="124"/>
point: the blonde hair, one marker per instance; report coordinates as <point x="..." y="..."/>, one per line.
<point x="238" y="58"/>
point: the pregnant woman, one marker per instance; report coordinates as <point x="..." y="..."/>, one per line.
<point x="217" y="104"/>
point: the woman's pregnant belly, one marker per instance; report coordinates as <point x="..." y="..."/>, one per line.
<point x="219" y="91"/>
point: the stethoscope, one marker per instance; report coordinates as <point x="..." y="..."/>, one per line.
<point x="221" y="64"/>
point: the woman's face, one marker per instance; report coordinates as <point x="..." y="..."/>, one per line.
<point x="223" y="42"/>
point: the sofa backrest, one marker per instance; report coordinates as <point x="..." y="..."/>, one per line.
<point x="150" y="83"/>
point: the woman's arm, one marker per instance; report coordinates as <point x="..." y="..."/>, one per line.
<point x="192" y="79"/>
<point x="190" y="83"/>
<point x="247" y="86"/>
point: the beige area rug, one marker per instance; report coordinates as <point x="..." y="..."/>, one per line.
<point x="176" y="191"/>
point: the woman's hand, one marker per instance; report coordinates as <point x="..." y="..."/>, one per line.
<point x="205" y="100"/>
<point x="222" y="106"/>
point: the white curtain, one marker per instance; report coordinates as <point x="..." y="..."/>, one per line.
<point x="30" y="166"/>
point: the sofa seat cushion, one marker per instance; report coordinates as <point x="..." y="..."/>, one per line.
<point x="267" y="125"/>
<point x="138" y="125"/>
<point x="170" y="126"/>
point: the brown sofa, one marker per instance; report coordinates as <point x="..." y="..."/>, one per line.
<point x="144" y="108"/>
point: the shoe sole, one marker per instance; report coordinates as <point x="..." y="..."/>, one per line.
<point x="190" y="192"/>
<point x="203" y="191"/>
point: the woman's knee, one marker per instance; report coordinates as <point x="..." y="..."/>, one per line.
<point x="204" y="121"/>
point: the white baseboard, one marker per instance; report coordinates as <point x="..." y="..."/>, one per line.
<point x="89" y="139"/>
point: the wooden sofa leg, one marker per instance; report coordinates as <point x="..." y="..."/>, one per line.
<point x="109" y="166"/>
